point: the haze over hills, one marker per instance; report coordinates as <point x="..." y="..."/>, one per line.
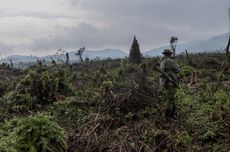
<point x="213" y="44"/>
<point x="100" y="54"/>
<point x="217" y="43"/>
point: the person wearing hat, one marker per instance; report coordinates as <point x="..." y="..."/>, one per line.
<point x="171" y="68"/>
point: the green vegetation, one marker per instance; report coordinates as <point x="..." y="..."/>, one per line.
<point x="114" y="105"/>
<point x="37" y="133"/>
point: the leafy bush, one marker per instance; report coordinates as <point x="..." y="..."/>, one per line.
<point x="184" y="138"/>
<point x="161" y="139"/>
<point x="15" y="101"/>
<point x="32" y="134"/>
<point x="38" y="89"/>
<point x="70" y="113"/>
<point x="209" y="136"/>
<point x="186" y="71"/>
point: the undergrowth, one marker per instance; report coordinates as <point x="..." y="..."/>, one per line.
<point x="113" y="105"/>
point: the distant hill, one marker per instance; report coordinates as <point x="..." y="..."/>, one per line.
<point x="100" y="54"/>
<point x="19" y="58"/>
<point x="213" y="44"/>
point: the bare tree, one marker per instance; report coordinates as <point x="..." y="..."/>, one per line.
<point x="53" y="61"/>
<point x="173" y="43"/>
<point x="11" y="63"/>
<point x="228" y="45"/>
<point x="80" y="52"/>
<point x="189" y="59"/>
<point x="227" y="50"/>
<point x="59" y="55"/>
<point x="67" y="58"/>
<point x="39" y="62"/>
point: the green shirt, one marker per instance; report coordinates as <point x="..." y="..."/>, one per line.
<point x="169" y="66"/>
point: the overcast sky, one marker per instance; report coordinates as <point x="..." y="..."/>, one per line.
<point x="40" y="27"/>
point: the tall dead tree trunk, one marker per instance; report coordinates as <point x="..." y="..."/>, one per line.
<point x="173" y="43"/>
<point x="189" y="59"/>
<point x="67" y="59"/>
<point x="227" y="50"/>
<point x="53" y="61"/>
<point x="11" y="63"/>
<point x="80" y="52"/>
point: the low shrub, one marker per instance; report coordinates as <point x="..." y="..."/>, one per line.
<point x="32" y="134"/>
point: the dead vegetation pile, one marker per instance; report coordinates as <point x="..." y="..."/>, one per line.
<point x="122" y="123"/>
<point x="134" y="100"/>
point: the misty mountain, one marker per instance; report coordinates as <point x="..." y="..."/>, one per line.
<point x="97" y="54"/>
<point x="106" y="53"/>
<point x="214" y="44"/>
<point x="19" y="58"/>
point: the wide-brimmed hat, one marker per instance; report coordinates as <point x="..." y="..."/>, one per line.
<point x="167" y="52"/>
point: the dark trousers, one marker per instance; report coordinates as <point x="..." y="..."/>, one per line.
<point x="171" y="106"/>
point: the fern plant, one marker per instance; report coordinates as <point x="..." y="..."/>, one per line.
<point x="32" y="134"/>
<point x="38" y="89"/>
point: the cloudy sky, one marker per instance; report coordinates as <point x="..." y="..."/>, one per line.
<point x="40" y="27"/>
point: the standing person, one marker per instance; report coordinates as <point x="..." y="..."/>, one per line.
<point x="170" y="83"/>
